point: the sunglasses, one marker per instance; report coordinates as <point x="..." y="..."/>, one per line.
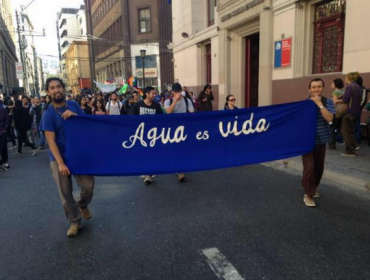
<point x="232" y="99"/>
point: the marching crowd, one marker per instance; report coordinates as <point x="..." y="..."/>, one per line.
<point x="37" y="121"/>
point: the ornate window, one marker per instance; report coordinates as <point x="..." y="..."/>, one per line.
<point x="328" y="36"/>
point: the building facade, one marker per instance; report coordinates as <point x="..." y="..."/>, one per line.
<point x="71" y="26"/>
<point x="268" y="50"/>
<point x="77" y="66"/>
<point x="8" y="56"/>
<point x="120" y="29"/>
<point x="31" y="80"/>
<point x="195" y="45"/>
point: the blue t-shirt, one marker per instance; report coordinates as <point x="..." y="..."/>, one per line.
<point x="52" y="121"/>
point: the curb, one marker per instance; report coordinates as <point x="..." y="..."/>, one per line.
<point x="359" y="181"/>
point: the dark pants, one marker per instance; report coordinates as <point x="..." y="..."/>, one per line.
<point x="11" y="134"/>
<point x="348" y="129"/>
<point x="313" y="169"/>
<point x="23" y="138"/>
<point x="3" y="148"/>
<point x="334" y="130"/>
<point x="358" y="129"/>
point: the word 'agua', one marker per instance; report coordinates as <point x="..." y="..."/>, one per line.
<point x="153" y="136"/>
<point x="247" y="127"/>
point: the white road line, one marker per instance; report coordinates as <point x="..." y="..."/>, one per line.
<point x="220" y="265"/>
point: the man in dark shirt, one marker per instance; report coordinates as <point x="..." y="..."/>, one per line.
<point x="147" y="107"/>
<point x="352" y="96"/>
<point x="4" y="122"/>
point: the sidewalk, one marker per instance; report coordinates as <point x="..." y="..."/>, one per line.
<point x="350" y="173"/>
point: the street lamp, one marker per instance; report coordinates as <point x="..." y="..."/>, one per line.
<point x="143" y="53"/>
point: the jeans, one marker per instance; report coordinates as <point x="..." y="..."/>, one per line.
<point x="41" y="138"/>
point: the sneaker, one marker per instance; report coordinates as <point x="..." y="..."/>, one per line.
<point x="85" y="213"/>
<point x="18" y="153"/>
<point x="42" y="147"/>
<point x="73" y="230"/>
<point x="357" y="148"/>
<point x="309" y="201"/>
<point x="6" y="166"/>
<point x="147" y="179"/>
<point x="181" y="177"/>
<point x="316" y="195"/>
<point x="12" y="148"/>
<point x="34" y="152"/>
<point x="348" y="155"/>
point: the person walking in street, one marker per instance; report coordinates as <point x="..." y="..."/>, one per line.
<point x="52" y="123"/>
<point x="113" y="106"/>
<point x="147" y="106"/>
<point x="230" y="103"/>
<point x="39" y="110"/>
<point x="4" y="122"/>
<point x="127" y="106"/>
<point x="11" y="130"/>
<point x="84" y="104"/>
<point x="357" y="132"/>
<point x="23" y="117"/>
<point x="99" y="108"/>
<point x="178" y="104"/>
<point x="205" y="99"/>
<point x="314" y="161"/>
<point x="352" y="96"/>
<point x="338" y="90"/>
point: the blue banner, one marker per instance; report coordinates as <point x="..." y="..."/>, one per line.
<point x="165" y="144"/>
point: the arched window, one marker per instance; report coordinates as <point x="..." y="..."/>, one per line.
<point x="328" y="36"/>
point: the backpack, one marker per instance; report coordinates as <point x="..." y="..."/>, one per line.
<point x="119" y="106"/>
<point x="363" y="98"/>
<point x="186" y="102"/>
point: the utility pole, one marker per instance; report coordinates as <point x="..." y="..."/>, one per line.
<point x="21" y="53"/>
<point x="90" y="39"/>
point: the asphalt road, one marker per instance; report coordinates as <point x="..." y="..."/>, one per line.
<point x="253" y="215"/>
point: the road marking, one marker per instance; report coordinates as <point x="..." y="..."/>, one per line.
<point x="220" y="265"/>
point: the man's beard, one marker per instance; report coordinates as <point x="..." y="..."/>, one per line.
<point x="59" y="100"/>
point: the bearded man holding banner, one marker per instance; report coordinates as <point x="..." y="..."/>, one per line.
<point x="313" y="162"/>
<point x="52" y="124"/>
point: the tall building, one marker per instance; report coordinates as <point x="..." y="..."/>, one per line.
<point x="8" y="55"/>
<point x="266" y="51"/>
<point x="77" y="66"/>
<point x="120" y="30"/>
<point x="31" y="81"/>
<point x="71" y="26"/>
<point x="195" y="44"/>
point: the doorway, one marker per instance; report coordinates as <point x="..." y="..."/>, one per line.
<point x="252" y="70"/>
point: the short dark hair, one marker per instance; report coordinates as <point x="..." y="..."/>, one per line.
<point x="316" y="80"/>
<point x="147" y="89"/>
<point x="360" y="81"/>
<point x="49" y="80"/>
<point x="338" y="83"/>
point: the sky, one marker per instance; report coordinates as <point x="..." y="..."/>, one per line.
<point x="43" y="15"/>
